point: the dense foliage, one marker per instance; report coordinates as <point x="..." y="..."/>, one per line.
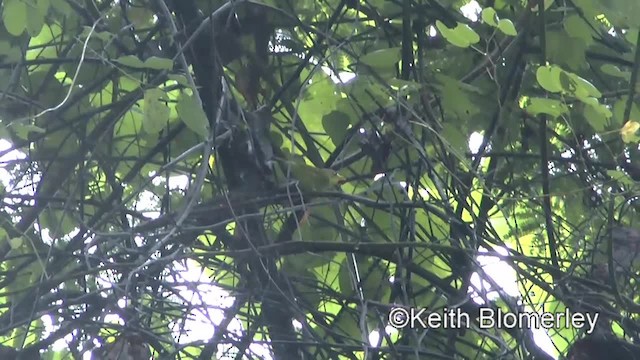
<point x="285" y="172"/>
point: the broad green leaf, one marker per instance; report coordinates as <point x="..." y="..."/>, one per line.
<point x="507" y="27"/>
<point x="578" y="28"/>
<point x="157" y="63"/>
<point x="336" y="124"/>
<point x="452" y="136"/>
<point x="551" y="107"/>
<point x="597" y="116"/>
<point x="36" y="15"/>
<point x="319" y="99"/>
<point x="131" y="61"/>
<point x="621" y="13"/>
<point x="590" y="101"/>
<point x="549" y="78"/>
<point x="130" y="124"/>
<point x="156" y="112"/>
<point x="192" y="114"/>
<point x="490" y="17"/>
<point x="14" y="16"/>
<point x="615" y="71"/>
<point x="49" y="34"/>
<point x="456" y="98"/>
<point x="382" y="59"/>
<point x="584" y="88"/>
<point x="563" y="50"/>
<point x="462" y="35"/>
<point x="365" y="91"/>
<point x="43" y="6"/>
<point x="467" y="33"/>
<point x="179" y="78"/>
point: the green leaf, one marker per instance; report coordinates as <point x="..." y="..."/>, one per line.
<point x="43" y="6"/>
<point x="467" y="33"/>
<point x="596" y="116"/>
<point x="369" y="94"/>
<point x="336" y="124"/>
<point x="578" y="28"/>
<point x="156" y="112"/>
<point x="621" y="13"/>
<point x="37" y="11"/>
<point x="551" y="107"/>
<point x="452" y="136"/>
<point x="462" y="35"/>
<point x="179" y="78"/>
<point x="382" y="59"/>
<point x="584" y="88"/>
<point x="130" y="61"/>
<point x="456" y="98"/>
<point x="192" y="114"/>
<point x="14" y="16"/>
<point x="615" y="71"/>
<point x="319" y="99"/>
<point x="565" y="51"/>
<point x="549" y="78"/>
<point x="507" y="27"/>
<point x="157" y="63"/>
<point x="490" y="17"/>
<point x="130" y="124"/>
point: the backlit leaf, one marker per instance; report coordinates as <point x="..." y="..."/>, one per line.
<point x="14" y="16"/>
<point x="156" y="112"/>
<point x="507" y="27"/>
<point x="192" y="114"/>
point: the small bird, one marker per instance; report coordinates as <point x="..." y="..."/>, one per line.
<point x="310" y="178"/>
